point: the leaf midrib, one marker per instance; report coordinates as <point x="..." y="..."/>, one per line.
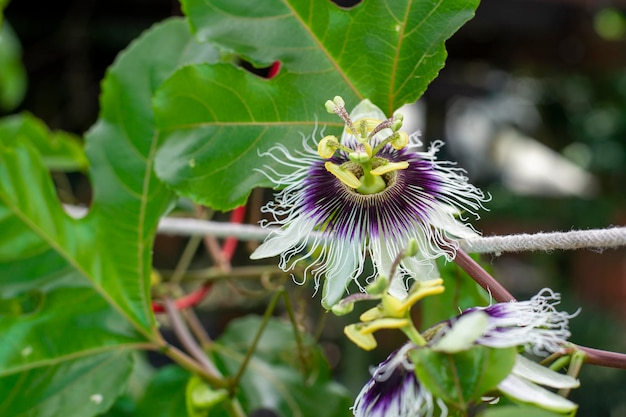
<point x="322" y="48"/>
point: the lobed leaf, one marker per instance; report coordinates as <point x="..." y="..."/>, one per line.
<point x="215" y="120"/>
<point x="75" y="288"/>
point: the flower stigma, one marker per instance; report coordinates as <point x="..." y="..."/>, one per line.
<point x="365" y="169"/>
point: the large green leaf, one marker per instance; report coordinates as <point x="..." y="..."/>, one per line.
<point x="279" y="377"/>
<point x="79" y="387"/>
<point x="461" y="379"/>
<point x="75" y="287"/>
<point x="384" y="50"/>
<point x="214" y="119"/>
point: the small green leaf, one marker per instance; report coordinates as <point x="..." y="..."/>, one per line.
<point x="461" y="379"/>
<point x="202" y="398"/>
<point x="279" y="377"/>
<point x="60" y="151"/>
<point x="82" y="386"/>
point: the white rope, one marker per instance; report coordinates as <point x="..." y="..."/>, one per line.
<point x="576" y="239"/>
<point x="596" y="239"/>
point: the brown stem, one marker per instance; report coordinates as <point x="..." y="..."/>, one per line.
<point x="191" y="365"/>
<point x="482" y="277"/>
<point x="603" y="357"/>
<point x="213" y="246"/>
<point x="197" y="328"/>
<point x="187" y="340"/>
<point x="500" y="294"/>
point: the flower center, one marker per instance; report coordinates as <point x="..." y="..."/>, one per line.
<point x="365" y="171"/>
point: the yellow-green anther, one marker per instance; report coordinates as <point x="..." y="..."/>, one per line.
<point x="391" y="166"/>
<point x="424" y="289"/>
<point x="371" y="314"/>
<point x="327" y="146"/>
<point x="333" y="105"/>
<point x="396" y="124"/>
<point x="364" y="341"/>
<point x="385" y="323"/>
<point x="394" y="307"/>
<point x="343" y="175"/>
<point x="399" y="140"/>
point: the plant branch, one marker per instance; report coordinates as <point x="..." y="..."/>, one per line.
<point x="191" y="365"/>
<point x="500" y="294"/>
<point x="603" y="357"/>
<point x="482" y="277"/>
<point x="268" y="312"/>
<point x="187" y="340"/>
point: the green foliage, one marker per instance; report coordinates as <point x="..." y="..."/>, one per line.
<point x="89" y="278"/>
<point x="77" y="387"/>
<point x="165" y="395"/>
<point x="461" y="379"/>
<point x="280" y="375"/>
<point x="12" y="73"/>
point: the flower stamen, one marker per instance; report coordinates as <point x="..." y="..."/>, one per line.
<point x="389" y="167"/>
<point x="343" y="175"/>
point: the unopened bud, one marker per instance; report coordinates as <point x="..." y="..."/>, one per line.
<point x="379" y="286"/>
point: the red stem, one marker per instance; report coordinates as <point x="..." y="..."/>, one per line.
<point x="230" y="243"/>
<point x="482" y="277"/>
<point x="186" y="301"/>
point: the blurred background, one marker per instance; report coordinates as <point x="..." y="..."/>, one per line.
<point x="532" y="102"/>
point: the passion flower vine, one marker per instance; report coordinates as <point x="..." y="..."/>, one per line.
<point x="368" y="193"/>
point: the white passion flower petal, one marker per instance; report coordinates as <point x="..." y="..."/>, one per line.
<point x="524" y="391"/>
<point x="533" y="372"/>
<point x="341" y="265"/>
<point x="463" y="335"/>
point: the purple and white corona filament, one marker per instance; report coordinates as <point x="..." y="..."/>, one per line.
<point x="534" y="324"/>
<point x="395" y="391"/>
<point x="369" y="193"/>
